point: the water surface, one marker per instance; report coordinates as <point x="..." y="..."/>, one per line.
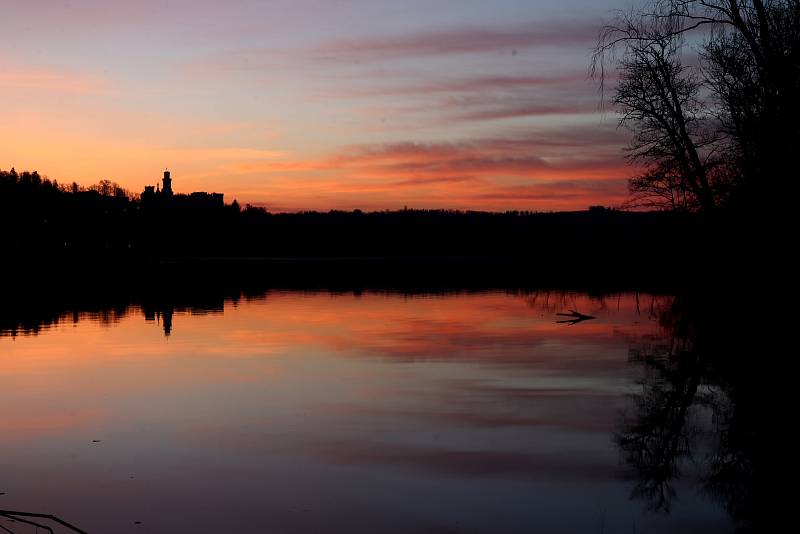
<point x="319" y="412"/>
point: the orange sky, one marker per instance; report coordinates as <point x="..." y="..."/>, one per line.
<point x="369" y="105"/>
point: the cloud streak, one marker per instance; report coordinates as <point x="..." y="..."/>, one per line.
<point x="26" y="79"/>
<point x="469" y="84"/>
<point x="539" y="170"/>
<point x="463" y="40"/>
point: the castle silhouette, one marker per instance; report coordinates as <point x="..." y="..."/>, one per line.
<point x="153" y="194"/>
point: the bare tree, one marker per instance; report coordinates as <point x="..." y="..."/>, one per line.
<point x="730" y="123"/>
<point x="107" y="188"/>
<point x="657" y="97"/>
<point x="752" y="65"/>
<point x="661" y="187"/>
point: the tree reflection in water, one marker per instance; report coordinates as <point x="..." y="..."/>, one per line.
<point x="699" y="409"/>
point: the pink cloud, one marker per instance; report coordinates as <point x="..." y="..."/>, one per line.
<point x="463" y="40"/>
<point x="514" y="110"/>
<point x="475" y="84"/>
<point x="522" y="156"/>
<point x="539" y="171"/>
<point x="452" y="100"/>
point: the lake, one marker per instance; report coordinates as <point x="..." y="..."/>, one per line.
<point x="291" y="411"/>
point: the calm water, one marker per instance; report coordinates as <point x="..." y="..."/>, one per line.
<point x="313" y="412"/>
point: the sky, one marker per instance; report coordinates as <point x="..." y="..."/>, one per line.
<point x="316" y="104"/>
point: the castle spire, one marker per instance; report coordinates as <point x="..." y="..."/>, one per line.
<point x="167" y="188"/>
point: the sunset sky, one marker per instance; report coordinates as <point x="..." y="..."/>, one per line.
<point x="315" y="104"/>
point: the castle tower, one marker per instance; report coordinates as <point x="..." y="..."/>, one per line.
<point x="167" y="189"/>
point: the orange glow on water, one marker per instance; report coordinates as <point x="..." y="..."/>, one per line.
<point x="287" y="398"/>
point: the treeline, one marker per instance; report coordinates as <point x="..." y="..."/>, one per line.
<point x="41" y="218"/>
<point x="31" y="183"/>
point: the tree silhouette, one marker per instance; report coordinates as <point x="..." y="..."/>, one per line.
<point x="660" y="435"/>
<point x="694" y="368"/>
<point x="721" y="128"/>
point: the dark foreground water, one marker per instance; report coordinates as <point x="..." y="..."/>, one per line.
<point x="314" y="412"/>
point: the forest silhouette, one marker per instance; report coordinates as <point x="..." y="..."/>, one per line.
<point x="45" y="224"/>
